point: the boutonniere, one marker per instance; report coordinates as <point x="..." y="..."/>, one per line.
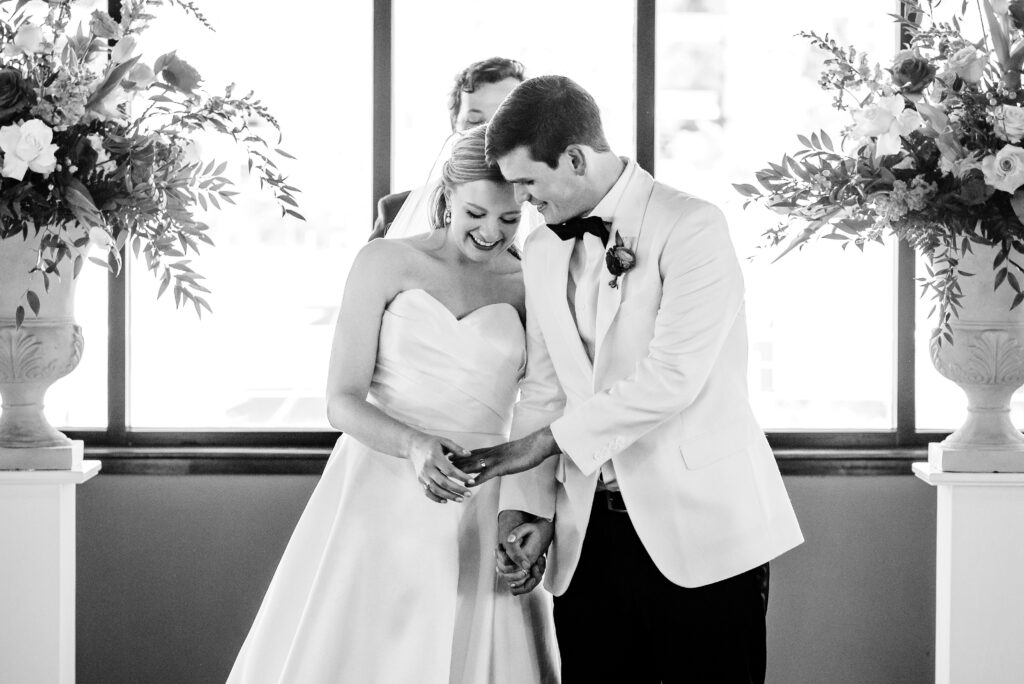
<point x="619" y="259"/>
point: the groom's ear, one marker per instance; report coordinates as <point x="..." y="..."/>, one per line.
<point x="577" y="160"/>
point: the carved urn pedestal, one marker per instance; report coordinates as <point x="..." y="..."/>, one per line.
<point x="32" y="356"/>
<point x="986" y="359"/>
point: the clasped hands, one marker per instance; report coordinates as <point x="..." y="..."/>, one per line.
<point x="446" y="471"/>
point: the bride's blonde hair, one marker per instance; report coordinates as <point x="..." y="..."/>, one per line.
<point x="467" y="164"/>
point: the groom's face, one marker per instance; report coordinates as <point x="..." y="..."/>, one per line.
<point x="557" y="193"/>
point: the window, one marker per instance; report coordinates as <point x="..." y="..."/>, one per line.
<point x="735" y="85"/>
<point x="434" y="41"/>
<point x="704" y="91"/>
<point x="260" y="358"/>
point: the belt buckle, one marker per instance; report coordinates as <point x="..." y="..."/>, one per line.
<point x="615" y="502"/>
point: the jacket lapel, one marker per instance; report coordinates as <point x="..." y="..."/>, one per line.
<point x="558" y="305"/>
<point x="627" y="222"/>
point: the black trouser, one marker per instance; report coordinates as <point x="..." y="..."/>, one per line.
<point x="621" y="621"/>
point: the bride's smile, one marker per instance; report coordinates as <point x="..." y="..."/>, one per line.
<point x="482" y="244"/>
<point x="484" y="218"/>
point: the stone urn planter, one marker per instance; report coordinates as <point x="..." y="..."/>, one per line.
<point x="44" y="348"/>
<point x="986" y="359"/>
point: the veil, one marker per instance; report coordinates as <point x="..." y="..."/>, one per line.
<point x="414" y="216"/>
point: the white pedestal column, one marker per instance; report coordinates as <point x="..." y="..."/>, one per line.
<point x="37" y="574"/>
<point x="979" y="559"/>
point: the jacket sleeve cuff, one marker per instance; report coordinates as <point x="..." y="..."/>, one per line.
<point x="577" y="441"/>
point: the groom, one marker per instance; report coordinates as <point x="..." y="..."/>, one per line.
<point x="636" y="435"/>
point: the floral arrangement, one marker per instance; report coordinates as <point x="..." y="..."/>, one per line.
<point x="98" y="148"/>
<point x="933" y="153"/>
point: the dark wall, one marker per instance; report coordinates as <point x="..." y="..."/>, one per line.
<point x="171" y="571"/>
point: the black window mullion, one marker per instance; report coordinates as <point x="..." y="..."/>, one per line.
<point x="906" y="410"/>
<point x="382" y="76"/>
<point x="117" y="327"/>
<point x="117" y="354"/>
<point x="643" y="45"/>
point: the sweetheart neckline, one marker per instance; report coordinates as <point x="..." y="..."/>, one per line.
<point x="451" y="314"/>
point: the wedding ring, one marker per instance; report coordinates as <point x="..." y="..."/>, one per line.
<point x="483" y="464"/>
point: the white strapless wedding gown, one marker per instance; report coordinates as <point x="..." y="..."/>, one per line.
<point x="378" y="584"/>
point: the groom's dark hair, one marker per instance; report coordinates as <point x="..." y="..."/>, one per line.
<point x="545" y="114"/>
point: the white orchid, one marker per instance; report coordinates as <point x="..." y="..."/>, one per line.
<point x="28" y="40"/>
<point x="885" y="122"/>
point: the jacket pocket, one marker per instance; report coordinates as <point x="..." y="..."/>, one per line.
<point x="707" y="448"/>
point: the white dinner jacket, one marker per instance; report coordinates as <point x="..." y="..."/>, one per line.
<point x="665" y="398"/>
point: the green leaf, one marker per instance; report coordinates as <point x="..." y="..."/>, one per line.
<point x="111" y="81"/>
<point x="80" y="202"/>
<point x="33" y="301"/>
<point x="1000" y="277"/>
<point x="19" y="316"/>
<point x="798" y="168"/>
<point x="827" y="141"/>
<point x="1017" y="202"/>
<point x="744" y="189"/>
<point x="999" y="39"/>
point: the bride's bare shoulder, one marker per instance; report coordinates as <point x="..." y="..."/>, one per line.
<point x="393" y="251"/>
<point x="387" y="264"/>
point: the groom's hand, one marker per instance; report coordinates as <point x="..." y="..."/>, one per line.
<point x="507" y="459"/>
<point x="522" y="541"/>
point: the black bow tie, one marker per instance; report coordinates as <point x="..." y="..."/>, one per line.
<point x="575" y="228"/>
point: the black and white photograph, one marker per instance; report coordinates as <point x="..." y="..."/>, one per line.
<point x="548" y="342"/>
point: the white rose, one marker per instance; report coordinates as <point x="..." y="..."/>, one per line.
<point x="886" y="121"/>
<point x="1008" y="123"/>
<point x="27" y="146"/>
<point x="1005" y="169"/>
<point x="968" y="63"/>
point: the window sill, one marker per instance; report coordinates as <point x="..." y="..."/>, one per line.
<point x="311" y="461"/>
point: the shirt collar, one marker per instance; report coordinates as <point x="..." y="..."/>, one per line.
<point x="609" y="204"/>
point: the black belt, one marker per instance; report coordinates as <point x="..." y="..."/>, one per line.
<point x="613" y="501"/>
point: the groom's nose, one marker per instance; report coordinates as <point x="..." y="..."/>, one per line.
<point x="522" y="194"/>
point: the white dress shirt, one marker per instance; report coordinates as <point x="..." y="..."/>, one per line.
<point x="585" y="268"/>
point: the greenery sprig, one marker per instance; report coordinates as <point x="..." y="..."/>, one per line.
<point x="933" y="154"/>
<point x="98" y="145"/>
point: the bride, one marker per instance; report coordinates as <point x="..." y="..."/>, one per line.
<point x="380" y="582"/>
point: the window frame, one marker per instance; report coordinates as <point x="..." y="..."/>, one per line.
<point x="266" y="451"/>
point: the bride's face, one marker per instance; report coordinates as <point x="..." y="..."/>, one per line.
<point x="485" y="217"/>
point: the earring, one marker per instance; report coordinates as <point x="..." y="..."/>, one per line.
<point x="447" y="217"/>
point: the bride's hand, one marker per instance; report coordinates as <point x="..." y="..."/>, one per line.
<point x="523" y="540"/>
<point x="442" y="482"/>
